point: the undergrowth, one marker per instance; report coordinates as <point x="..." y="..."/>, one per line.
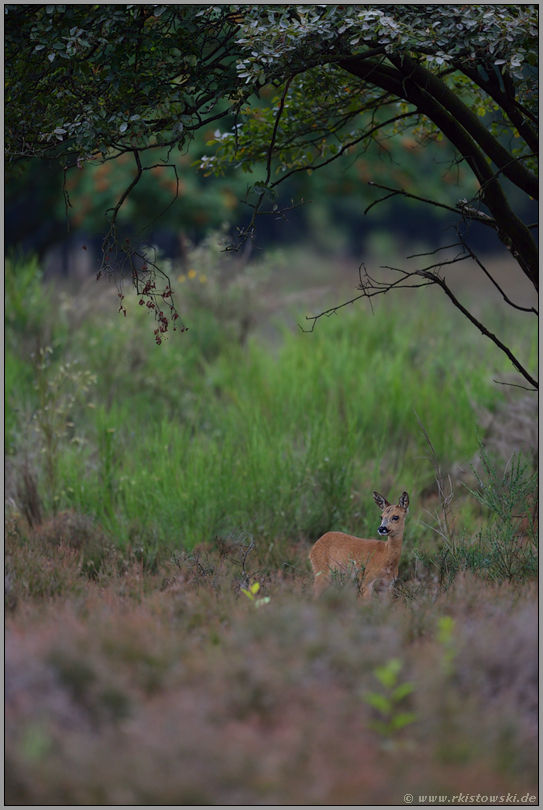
<point x="215" y="680"/>
<point x="506" y="548"/>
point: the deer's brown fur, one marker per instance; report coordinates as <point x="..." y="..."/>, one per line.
<point x="374" y="561"/>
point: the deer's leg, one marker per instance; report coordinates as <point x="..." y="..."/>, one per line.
<point x="366" y="590"/>
<point x="321" y="583"/>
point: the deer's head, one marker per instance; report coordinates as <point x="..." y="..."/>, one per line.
<point x="393" y="517"/>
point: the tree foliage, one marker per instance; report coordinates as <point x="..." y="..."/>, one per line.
<point x="94" y="82"/>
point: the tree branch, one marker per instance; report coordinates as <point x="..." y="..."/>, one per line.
<point x="435" y="279"/>
<point x="344" y="148"/>
<point x="510" y="225"/>
<point x="127" y="191"/>
<point x="370" y="287"/>
<point x="509" y="105"/>
<point x="494" y="282"/>
<point x="395" y="191"/>
<point x="427" y="82"/>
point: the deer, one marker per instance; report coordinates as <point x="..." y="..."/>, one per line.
<point x="375" y="561"/>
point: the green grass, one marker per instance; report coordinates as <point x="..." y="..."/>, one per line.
<point x="175" y="444"/>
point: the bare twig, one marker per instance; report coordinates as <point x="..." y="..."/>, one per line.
<point x="249" y="231"/>
<point x="462" y="205"/>
<point x="435" y="278"/>
<point x="494" y="282"/>
<point x="345" y="148"/>
<point x="514" y="385"/>
<point x="126" y="192"/>
<point x="172" y="201"/>
<point x="371" y="287"/>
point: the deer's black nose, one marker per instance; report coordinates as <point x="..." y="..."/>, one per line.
<point x="382" y="530"/>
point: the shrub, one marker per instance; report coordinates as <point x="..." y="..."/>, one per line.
<point x="506" y="549"/>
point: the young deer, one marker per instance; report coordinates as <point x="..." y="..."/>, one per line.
<point x="377" y="560"/>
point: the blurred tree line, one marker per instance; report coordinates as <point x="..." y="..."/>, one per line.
<point x="175" y="203"/>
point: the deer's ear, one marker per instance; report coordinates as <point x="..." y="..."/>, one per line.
<point x="380" y="501"/>
<point x="404" y="501"/>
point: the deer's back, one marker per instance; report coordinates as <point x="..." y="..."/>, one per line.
<point x="339" y="549"/>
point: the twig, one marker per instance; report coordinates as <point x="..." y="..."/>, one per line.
<point x="514" y="385"/>
<point x="494" y="282"/>
<point x="403" y="193"/>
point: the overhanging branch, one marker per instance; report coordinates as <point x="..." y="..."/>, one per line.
<point x="434" y="278"/>
<point x="404" y="85"/>
<point x="401" y="192"/>
<point x="371" y="287"/>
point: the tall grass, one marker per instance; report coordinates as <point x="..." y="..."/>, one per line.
<point x="178" y="443"/>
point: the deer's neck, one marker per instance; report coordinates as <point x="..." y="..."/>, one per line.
<point x="394" y="547"/>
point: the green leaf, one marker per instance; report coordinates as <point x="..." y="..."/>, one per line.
<point x="388" y="674"/>
<point x="379" y="702"/>
<point x="445" y="630"/>
<point x="402" y="719"/>
<point x="263" y="601"/>
<point x="402" y="690"/>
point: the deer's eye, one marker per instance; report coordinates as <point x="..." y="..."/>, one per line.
<point x="395" y="517"/>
